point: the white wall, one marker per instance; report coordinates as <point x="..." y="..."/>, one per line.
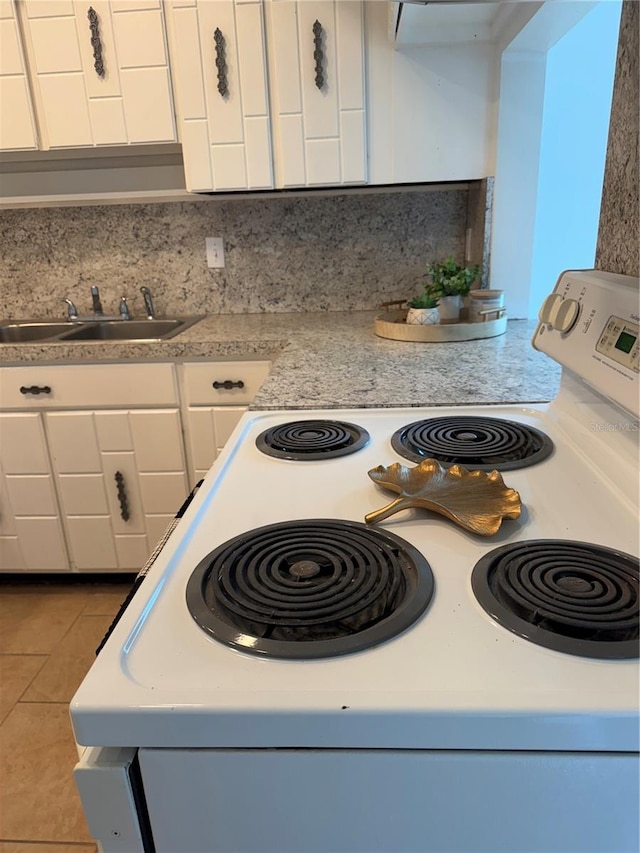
<point x="555" y="97"/>
<point x="577" y="105"/>
<point x="516" y="186"/>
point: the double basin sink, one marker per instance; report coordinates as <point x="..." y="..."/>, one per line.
<point x="44" y="331"/>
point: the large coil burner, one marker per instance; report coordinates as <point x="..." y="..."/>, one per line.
<point x="309" y="589"/>
<point x="312" y="440"/>
<point x="474" y="442"/>
<point x="569" y="596"/>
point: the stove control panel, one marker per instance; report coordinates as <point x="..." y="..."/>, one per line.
<point x="619" y="341"/>
<point x="590" y="325"/>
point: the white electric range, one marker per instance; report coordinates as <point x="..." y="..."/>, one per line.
<point x="249" y="698"/>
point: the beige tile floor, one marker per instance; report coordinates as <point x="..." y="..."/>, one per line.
<point x="48" y="636"/>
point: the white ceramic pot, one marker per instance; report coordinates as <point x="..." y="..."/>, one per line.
<point x="449" y="309"/>
<point x="422" y="317"/>
<point x="485" y="300"/>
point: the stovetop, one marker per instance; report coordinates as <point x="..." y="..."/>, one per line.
<point x="455" y="678"/>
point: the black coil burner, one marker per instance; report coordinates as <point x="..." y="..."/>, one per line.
<point x="309" y="589"/>
<point x="568" y="596"/>
<point x="312" y="440"/>
<point x="474" y="442"/>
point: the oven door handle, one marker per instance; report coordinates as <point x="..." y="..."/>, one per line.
<point x="152" y="558"/>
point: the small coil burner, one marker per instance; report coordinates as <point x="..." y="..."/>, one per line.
<point x="568" y="596"/>
<point x="474" y="442"/>
<point x="309" y="589"/>
<point x="312" y="440"/>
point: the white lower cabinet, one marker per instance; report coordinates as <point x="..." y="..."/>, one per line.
<point x="30" y="529"/>
<point x="209" y="427"/>
<point x="121" y="478"/>
<point x="94" y="457"/>
<point x="216" y="395"/>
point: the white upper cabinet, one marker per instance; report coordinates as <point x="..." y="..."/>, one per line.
<point x="99" y="71"/>
<point x="431" y="108"/>
<point x="316" y="69"/>
<point x="17" y="125"/>
<point x="297" y="80"/>
<point x="220" y="76"/>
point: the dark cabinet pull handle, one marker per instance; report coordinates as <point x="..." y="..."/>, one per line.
<point x="122" y="497"/>
<point x="96" y="44"/>
<point x="318" y="53"/>
<point x="221" y="62"/>
<point x="228" y="384"/>
<point x="35" y="389"/>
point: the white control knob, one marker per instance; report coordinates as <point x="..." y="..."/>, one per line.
<point x="566" y="315"/>
<point x="549" y="308"/>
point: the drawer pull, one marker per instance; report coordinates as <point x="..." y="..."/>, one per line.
<point x="35" y="389"/>
<point x="122" y="496"/>
<point x="221" y="62"/>
<point x="96" y="44"/>
<point x="318" y="54"/>
<point x="228" y="384"/>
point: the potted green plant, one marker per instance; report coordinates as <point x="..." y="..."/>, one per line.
<point x="448" y="283"/>
<point x="423" y="310"/>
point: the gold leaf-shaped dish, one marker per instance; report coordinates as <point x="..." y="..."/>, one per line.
<point x="476" y="500"/>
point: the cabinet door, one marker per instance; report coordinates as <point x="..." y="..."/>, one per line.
<point x="121" y="478"/>
<point x="431" y="108"/>
<point x="99" y="72"/>
<point x="30" y="530"/>
<point x="158" y="445"/>
<point x="209" y="427"/>
<point x="316" y="71"/>
<point x="219" y="68"/>
<point x="17" y="126"/>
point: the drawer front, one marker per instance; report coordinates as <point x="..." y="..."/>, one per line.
<point x="87" y="385"/>
<point x="203" y="382"/>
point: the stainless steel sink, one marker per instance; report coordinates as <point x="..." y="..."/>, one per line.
<point x="130" y="330"/>
<point x="30" y="331"/>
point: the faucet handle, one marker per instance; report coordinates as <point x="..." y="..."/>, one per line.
<point x="95" y="299"/>
<point x="148" y="302"/>
<point x="125" y="314"/>
<point x="72" y="311"/>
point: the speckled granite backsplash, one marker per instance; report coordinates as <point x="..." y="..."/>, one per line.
<point x="618" y="249"/>
<point x="329" y="253"/>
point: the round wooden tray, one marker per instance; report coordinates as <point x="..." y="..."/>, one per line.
<point x="392" y="325"/>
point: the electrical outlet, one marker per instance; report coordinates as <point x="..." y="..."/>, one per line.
<point x="215" y="253"/>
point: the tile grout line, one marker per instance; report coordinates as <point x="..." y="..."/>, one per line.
<point x="87" y="595"/>
<point x="35" y="674"/>
<point x="83" y="602"/>
<point x="27" y="686"/>
<point x="70" y="627"/>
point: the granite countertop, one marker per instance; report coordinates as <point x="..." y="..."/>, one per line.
<point x="334" y="360"/>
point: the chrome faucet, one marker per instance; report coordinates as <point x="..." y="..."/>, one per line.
<point x="72" y="311"/>
<point x="95" y="298"/>
<point x="124" y="309"/>
<point x="148" y="303"/>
